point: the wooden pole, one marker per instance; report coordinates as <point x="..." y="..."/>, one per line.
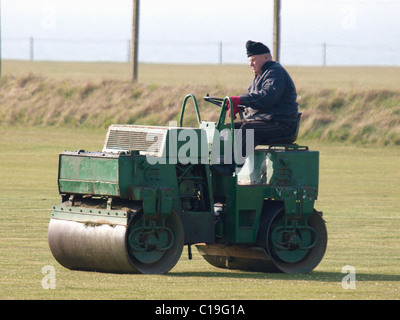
<point x="277" y="30"/>
<point x="135" y="40"/>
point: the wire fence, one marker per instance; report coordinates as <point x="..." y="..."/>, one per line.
<point x="194" y="52"/>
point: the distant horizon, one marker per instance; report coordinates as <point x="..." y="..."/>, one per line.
<point x="334" y="32"/>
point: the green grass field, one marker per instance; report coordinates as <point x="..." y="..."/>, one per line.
<point x="358" y="182"/>
<point x="358" y="195"/>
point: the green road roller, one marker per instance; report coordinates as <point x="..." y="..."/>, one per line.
<point x="132" y="207"/>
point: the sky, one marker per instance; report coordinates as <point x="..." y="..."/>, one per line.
<point x="168" y="27"/>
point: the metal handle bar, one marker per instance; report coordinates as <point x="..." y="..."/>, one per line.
<point x="196" y="108"/>
<point x="216" y="101"/>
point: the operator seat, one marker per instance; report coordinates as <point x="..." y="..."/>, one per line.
<point x="288" y="139"/>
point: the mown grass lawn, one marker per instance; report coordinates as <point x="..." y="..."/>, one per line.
<point x="358" y="195"/>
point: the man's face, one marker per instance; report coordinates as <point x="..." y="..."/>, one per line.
<point x="256" y="62"/>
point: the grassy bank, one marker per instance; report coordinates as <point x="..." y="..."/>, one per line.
<point x="355" y="114"/>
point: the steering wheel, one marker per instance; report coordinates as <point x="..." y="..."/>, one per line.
<point x="219" y="101"/>
<point x="213" y="100"/>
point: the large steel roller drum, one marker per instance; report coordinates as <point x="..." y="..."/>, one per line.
<point x="103" y="247"/>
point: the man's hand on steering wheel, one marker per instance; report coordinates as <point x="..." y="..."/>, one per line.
<point x="218" y="101"/>
<point x="235" y="101"/>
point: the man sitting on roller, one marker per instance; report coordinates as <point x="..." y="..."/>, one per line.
<point x="270" y="107"/>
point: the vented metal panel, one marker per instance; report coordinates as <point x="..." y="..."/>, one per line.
<point x="146" y="139"/>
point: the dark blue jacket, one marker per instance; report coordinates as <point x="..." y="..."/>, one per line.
<point x="272" y="96"/>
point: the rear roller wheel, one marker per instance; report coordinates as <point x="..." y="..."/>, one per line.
<point x="284" y="244"/>
<point x="297" y="245"/>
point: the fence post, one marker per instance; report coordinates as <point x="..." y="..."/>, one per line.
<point x="31" y="48"/>
<point x="220" y="52"/>
<point x="324" y="54"/>
<point x="128" y="50"/>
